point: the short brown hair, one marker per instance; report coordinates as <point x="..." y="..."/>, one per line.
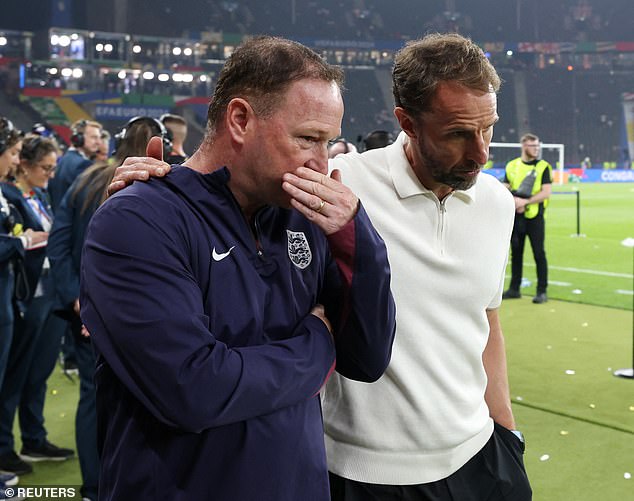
<point x="261" y="70"/>
<point x="81" y="125"/>
<point x="422" y="64"/>
<point x="528" y="137"/>
<point x="36" y="147"/>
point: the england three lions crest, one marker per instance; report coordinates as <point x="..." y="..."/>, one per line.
<point x="298" y="249"/>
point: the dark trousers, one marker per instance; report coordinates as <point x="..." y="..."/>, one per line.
<point x="32" y="358"/>
<point x="535" y="230"/>
<point x="6" y="316"/>
<point x="86" y="417"/>
<point x="496" y="473"/>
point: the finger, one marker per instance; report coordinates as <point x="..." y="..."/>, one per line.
<point x="314" y="176"/>
<point x="317" y="217"/>
<point x="114" y="187"/>
<point x="125" y="178"/>
<point x="314" y="189"/>
<point x="310" y="201"/>
<point x="129" y="161"/>
<point x="155" y="148"/>
<point x="336" y="175"/>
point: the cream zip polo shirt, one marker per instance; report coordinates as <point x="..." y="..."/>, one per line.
<point x="426" y="416"/>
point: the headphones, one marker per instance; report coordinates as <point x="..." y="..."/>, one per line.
<point x="77" y="134"/>
<point x="7" y="130"/>
<point x="156" y="125"/>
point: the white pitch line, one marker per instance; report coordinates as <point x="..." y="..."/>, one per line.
<point x="589" y="272"/>
<point x="561" y="284"/>
<point x="627" y="293"/>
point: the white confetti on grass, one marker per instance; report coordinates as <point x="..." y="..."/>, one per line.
<point x="627" y="475"/>
<point x="577" y="291"/>
<point x="544" y="457"/>
<point x="570" y="372"/>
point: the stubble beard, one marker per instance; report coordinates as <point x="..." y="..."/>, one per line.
<point x="451" y="178"/>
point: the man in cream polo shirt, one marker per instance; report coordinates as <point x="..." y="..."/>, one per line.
<point x="438" y="424"/>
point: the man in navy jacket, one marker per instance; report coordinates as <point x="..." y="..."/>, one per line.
<point x="85" y="143"/>
<point x="219" y="297"/>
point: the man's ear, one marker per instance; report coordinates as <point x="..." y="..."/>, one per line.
<point x="238" y="116"/>
<point x="405" y="121"/>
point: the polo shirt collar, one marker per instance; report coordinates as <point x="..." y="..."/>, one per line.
<point x="404" y="179"/>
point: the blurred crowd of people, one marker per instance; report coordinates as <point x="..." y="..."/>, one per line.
<point x="47" y="197"/>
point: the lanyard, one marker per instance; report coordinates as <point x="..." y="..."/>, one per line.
<point x="39" y="208"/>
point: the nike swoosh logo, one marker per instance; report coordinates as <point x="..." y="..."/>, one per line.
<point x="220" y="257"/>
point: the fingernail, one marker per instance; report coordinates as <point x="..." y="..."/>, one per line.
<point x="160" y="171"/>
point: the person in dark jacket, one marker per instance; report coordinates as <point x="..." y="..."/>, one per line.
<point x="11" y="255"/>
<point x="85" y="143"/>
<point x="37" y="333"/>
<point x="11" y="247"/>
<point x="221" y="297"/>
<point x="64" y="250"/>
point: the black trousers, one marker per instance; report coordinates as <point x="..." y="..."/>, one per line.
<point x="535" y="230"/>
<point x="496" y="473"/>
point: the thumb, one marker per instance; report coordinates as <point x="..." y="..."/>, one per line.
<point x="336" y="175"/>
<point x="155" y="148"/>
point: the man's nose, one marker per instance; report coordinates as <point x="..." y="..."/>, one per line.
<point x="319" y="161"/>
<point x="479" y="150"/>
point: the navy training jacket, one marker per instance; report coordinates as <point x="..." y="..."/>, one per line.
<point x="209" y="362"/>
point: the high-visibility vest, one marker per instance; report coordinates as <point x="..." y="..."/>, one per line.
<point x="517" y="170"/>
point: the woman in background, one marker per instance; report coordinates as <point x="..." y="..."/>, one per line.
<point x="37" y="333"/>
<point x="11" y="255"/>
<point x="80" y="202"/>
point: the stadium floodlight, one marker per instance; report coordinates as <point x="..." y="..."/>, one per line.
<point x="188" y="51"/>
<point x="148" y="75"/>
<point x="78" y="73"/>
<point x="629" y="373"/>
<point x="3" y="40"/>
<point x="136" y="49"/>
<point x="163" y="77"/>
